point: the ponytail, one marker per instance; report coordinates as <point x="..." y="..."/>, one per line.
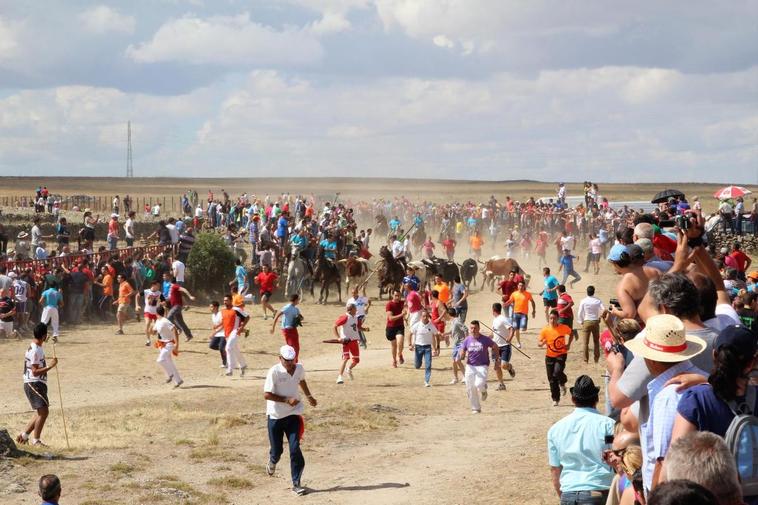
<point x="728" y="366"/>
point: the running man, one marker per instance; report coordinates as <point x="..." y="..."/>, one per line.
<point x="176" y="300"/>
<point x="423" y="336"/>
<point x="520" y="299"/>
<point x="458" y="332"/>
<point x="35" y="386"/>
<point x="217" y="342"/>
<point x="346" y="329"/>
<point x="362" y="304"/>
<point x="395" y="329"/>
<point x="51" y="299"/>
<point x="153" y="297"/>
<point x="290" y="322"/>
<point x="284" y="413"/>
<point x="267" y="281"/>
<point x="234" y="320"/>
<point x="125" y="292"/>
<point x="502" y="335"/>
<point x="475" y="352"/>
<point x="168" y="344"/>
<point x="553" y="338"/>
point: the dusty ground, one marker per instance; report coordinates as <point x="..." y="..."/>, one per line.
<point x="382" y="438"/>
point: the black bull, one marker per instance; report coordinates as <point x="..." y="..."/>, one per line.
<point x="446" y="269"/>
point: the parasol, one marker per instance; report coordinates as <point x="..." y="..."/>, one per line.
<point x="731" y="192"/>
<point x="664" y="195"/>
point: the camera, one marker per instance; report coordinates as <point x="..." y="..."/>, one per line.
<point x="682" y="222"/>
<point x="609" y="439"/>
<point x="615" y="303"/>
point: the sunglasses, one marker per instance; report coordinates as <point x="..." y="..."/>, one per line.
<point x="619" y="453"/>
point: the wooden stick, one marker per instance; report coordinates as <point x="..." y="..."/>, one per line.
<point x="60" y="398"/>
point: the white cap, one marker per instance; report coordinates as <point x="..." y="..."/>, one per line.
<point x="287" y="352"/>
<point x="114" y="215"/>
<point x="12" y="274"/>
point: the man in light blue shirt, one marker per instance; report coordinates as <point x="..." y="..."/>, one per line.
<point x="550" y="291"/>
<point x="575" y="445"/>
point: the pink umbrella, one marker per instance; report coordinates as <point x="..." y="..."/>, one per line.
<point x="731" y="192"/>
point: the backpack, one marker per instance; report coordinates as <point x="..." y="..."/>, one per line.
<point x="742" y="439"/>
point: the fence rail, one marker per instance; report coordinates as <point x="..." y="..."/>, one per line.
<point x="49" y="264"/>
<point x="97" y="204"/>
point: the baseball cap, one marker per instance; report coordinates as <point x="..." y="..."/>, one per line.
<point x="616" y="251"/>
<point x="753" y="275"/>
<point x="12" y="274"/>
<point x="287" y="352"/>
<point x="635" y="251"/>
<point x="739" y="337"/>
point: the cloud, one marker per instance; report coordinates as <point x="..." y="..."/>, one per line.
<point x="330" y="22"/>
<point x="103" y="19"/>
<point x="227" y="40"/>
<point x="8" y="39"/>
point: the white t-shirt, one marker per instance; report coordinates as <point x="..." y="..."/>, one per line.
<point x="567" y="243"/>
<point x="595" y="246"/>
<point x="281" y="383"/>
<point x="397" y="249"/>
<point x="177" y="267"/>
<point x="129" y="228"/>
<point x="348" y="327"/>
<point x="502" y="326"/>
<point x="20" y="288"/>
<point x="216" y="320"/>
<point x="152" y="298"/>
<point x="360" y="304"/>
<point x="157" y="210"/>
<point x="36" y="235"/>
<point x="34" y="356"/>
<point x="199" y="211"/>
<point x="423" y="334"/>
<point x="165" y="329"/>
<point x="173" y="233"/>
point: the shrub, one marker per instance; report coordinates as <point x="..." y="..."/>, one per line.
<point x="210" y="262"/>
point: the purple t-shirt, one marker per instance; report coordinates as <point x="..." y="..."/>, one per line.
<point x="477" y="350"/>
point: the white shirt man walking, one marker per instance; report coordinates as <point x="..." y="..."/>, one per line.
<point x="284" y="413"/>
<point x="588" y="316"/>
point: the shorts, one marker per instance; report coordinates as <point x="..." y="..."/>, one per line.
<point x="267" y="294"/>
<point x="21" y="307"/>
<point x="36" y="393"/>
<point x="349" y="349"/>
<point x="151" y="317"/>
<point x="505" y="353"/>
<point x="568" y="321"/>
<point x="6" y="326"/>
<point x="123" y="307"/>
<point x="457" y="351"/>
<point x="216" y="343"/>
<point x="520" y="321"/>
<point x="550" y="303"/>
<point x="393" y="332"/>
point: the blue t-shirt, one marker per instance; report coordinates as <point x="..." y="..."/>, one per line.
<point x="281" y="227"/>
<point x="458" y="291"/>
<point x="700" y="406"/>
<point x="51" y="297"/>
<point x="568" y="262"/>
<point x="298" y="241"/>
<point x="413" y="281"/>
<point x="550" y="282"/>
<point x="165" y="288"/>
<point x="330" y="248"/>
<point x="289" y="313"/>
<point x="240" y="273"/>
<point x="394" y="224"/>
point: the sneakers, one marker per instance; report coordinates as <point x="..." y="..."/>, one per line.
<point x="555" y="404"/>
<point x="501" y="387"/>
<point x="475" y="411"/>
<point x="38" y="443"/>
<point x="484" y="395"/>
<point x="350" y="373"/>
<point x="427" y="385"/>
<point x="563" y="390"/>
<point x="55" y="338"/>
<point x="242" y="371"/>
<point x="228" y="374"/>
<point x="119" y="332"/>
<point x="512" y="372"/>
<point x="340" y="380"/>
<point x="518" y="345"/>
<point x="247" y="332"/>
<point x="188" y="339"/>
<point x="178" y="384"/>
<point x="170" y="378"/>
<point x="454" y="381"/>
<point x="22" y="438"/>
<point x="299" y="490"/>
<point x="147" y="343"/>
<point x="270" y="468"/>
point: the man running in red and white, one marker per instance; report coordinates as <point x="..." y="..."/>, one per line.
<point x="346" y="329"/>
<point x="152" y="298"/>
<point x="168" y="343"/>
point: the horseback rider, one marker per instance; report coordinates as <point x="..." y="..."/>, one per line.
<point x="398" y="251"/>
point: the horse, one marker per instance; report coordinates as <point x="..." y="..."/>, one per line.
<point x="381" y="228"/>
<point x="356" y="271"/>
<point x="297" y="272"/>
<point x="326" y="273"/>
<point x="418" y="237"/>
<point x="390" y="271"/>
<point x="469" y="268"/>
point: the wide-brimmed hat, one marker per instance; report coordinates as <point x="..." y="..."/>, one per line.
<point x="22" y="235"/>
<point x="664" y="339"/>
<point x="584" y="388"/>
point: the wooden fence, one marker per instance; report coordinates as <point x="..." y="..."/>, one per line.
<point x="101" y="204"/>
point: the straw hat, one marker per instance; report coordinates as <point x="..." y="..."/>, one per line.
<point x="664" y="339"/>
<point x="22" y="235"/>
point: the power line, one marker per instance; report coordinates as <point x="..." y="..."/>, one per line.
<point x="129" y="166"/>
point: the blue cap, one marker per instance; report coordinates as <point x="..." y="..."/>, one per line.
<point x="737" y="336"/>
<point x="616" y="252"/>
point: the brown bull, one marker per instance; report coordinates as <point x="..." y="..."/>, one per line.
<point x="498" y="266"/>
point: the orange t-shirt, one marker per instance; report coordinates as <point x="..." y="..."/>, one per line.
<point x="124" y="291"/>
<point x="107" y="285"/>
<point x="555" y="338"/>
<point x="444" y="292"/>
<point x="520" y="301"/>
<point x="476" y="242"/>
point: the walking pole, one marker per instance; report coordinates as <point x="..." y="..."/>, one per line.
<point x="499" y="335"/>
<point x="60" y="398"/>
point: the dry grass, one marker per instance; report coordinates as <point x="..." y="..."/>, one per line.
<point x="230" y="482"/>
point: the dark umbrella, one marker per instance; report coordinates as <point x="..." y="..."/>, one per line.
<point x="664" y="195"/>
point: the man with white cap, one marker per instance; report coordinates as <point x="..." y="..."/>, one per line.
<point x="284" y="413"/>
<point x="667" y="349"/>
<point x="113" y="232"/>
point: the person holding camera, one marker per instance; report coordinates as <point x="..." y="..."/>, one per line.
<point x="291" y="320"/>
<point x="575" y="447"/>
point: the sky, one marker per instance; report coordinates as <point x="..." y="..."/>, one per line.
<point x="595" y="90"/>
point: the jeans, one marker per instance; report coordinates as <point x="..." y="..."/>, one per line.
<point x="555" y="375"/>
<point x="584" y="497"/>
<point x="75" y="307"/>
<point x="572" y="273"/>
<point x="425" y="352"/>
<point x="175" y="316"/>
<point x="129" y="242"/>
<point x="277" y="429"/>
<point x="112" y="243"/>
